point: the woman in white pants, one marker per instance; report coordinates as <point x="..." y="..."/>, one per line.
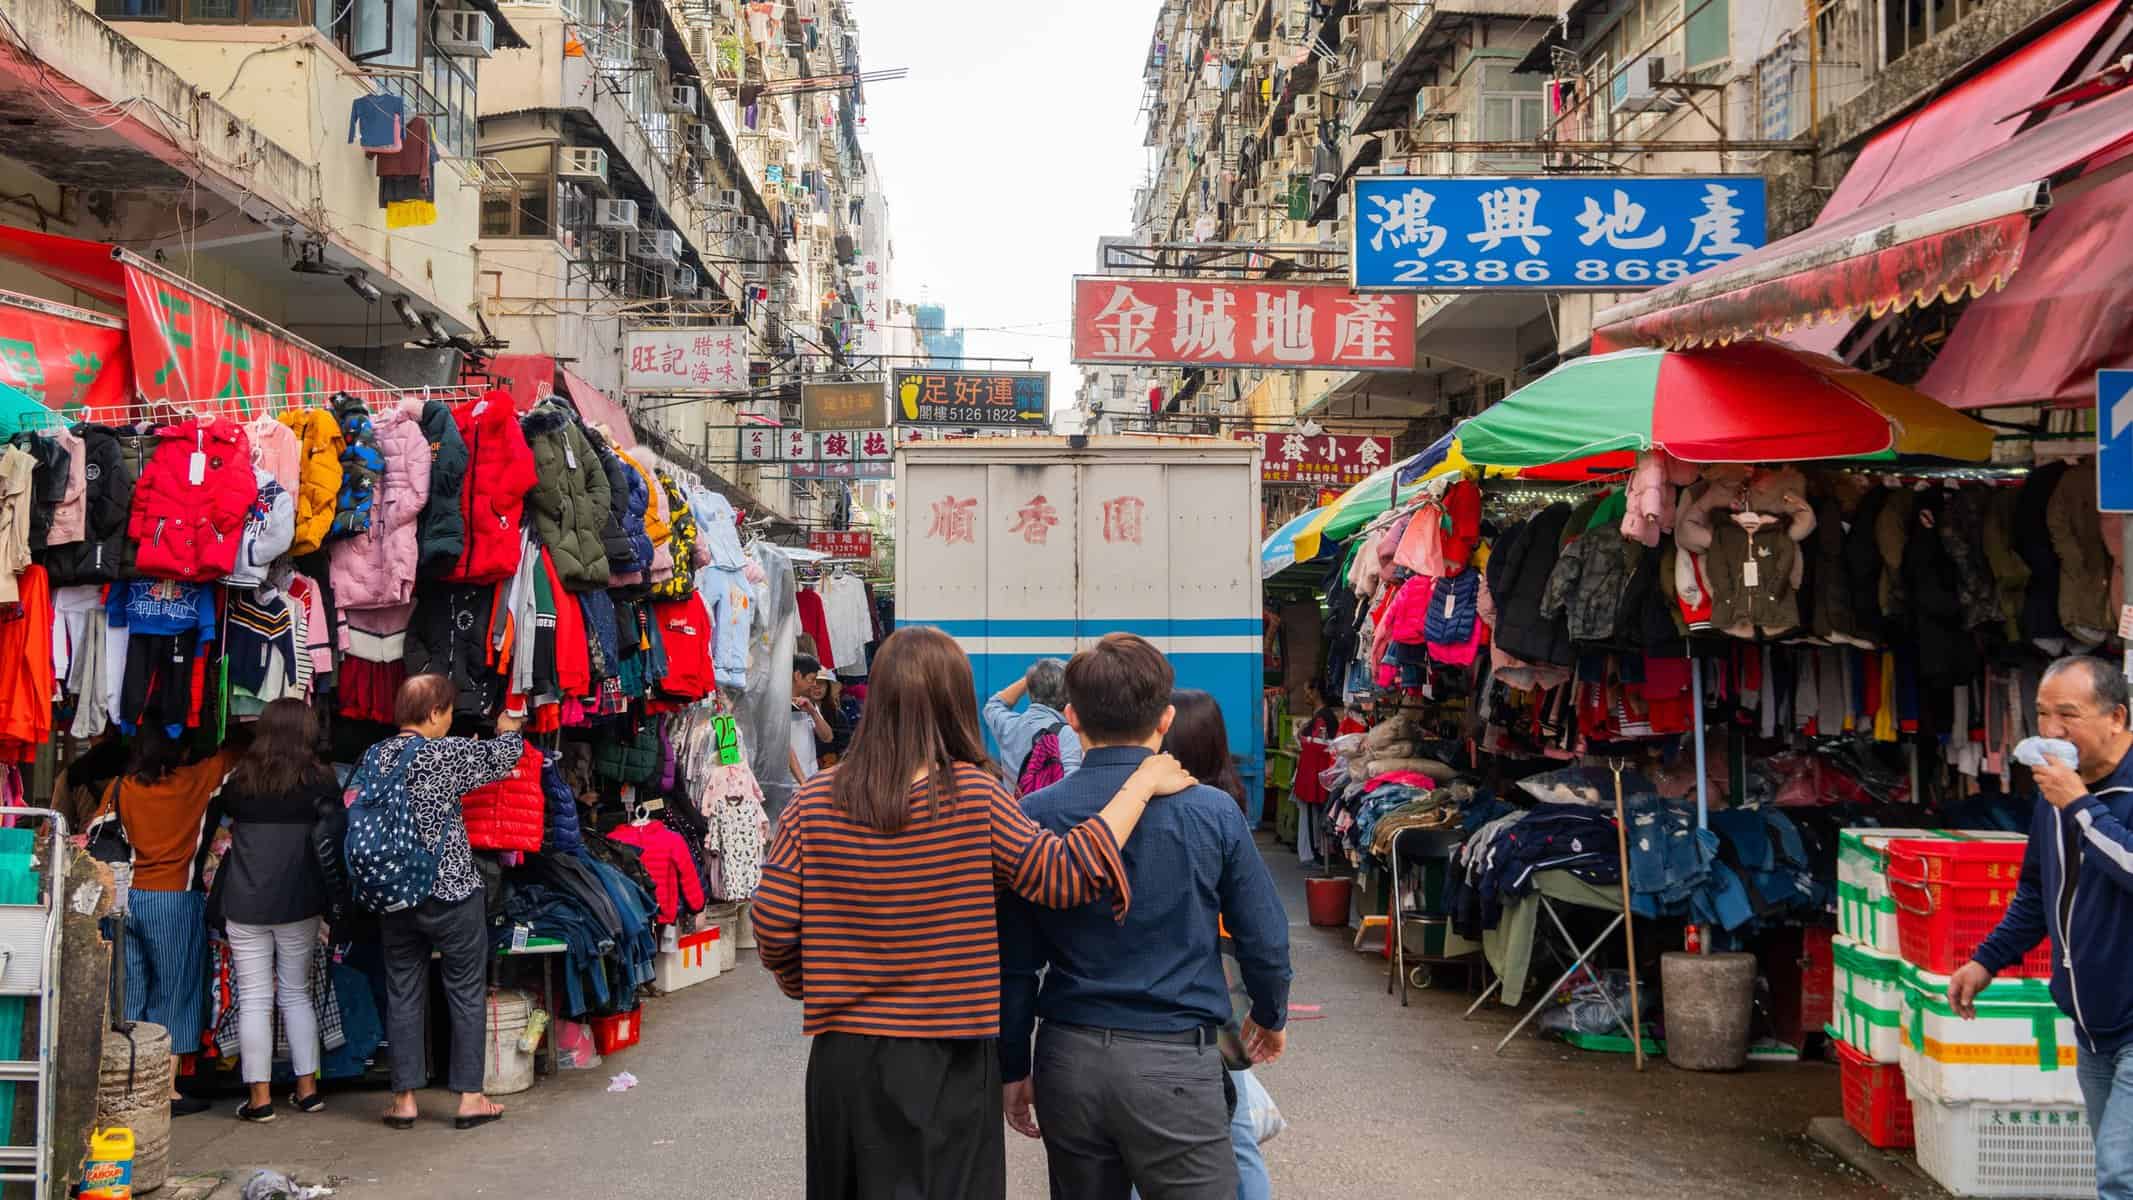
<point x="277" y="884"/>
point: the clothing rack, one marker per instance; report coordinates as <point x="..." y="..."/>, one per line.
<point x="167" y="411"/>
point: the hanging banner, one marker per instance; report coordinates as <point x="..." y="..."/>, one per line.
<point x="192" y="349"/>
<point x="1550" y="233"/>
<point x="1327" y="460"/>
<point x="966" y="399"/>
<point x="1240" y="323"/>
<point x="847" y="406"/>
<point x="706" y="358"/>
<point x="68" y="359"/>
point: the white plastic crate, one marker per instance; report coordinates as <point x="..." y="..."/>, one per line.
<point x="2019" y="1049"/>
<point x="2020" y="1151"/>
<point x="1866" y="912"/>
<point x="695" y="959"/>
<point x="1868" y="999"/>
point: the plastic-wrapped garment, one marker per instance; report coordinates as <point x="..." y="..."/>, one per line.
<point x="765" y="707"/>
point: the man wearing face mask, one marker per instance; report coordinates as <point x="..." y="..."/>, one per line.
<point x="2077" y="888"/>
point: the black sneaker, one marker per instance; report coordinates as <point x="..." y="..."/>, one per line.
<point x="310" y="1104"/>
<point x="257" y="1116"/>
<point x="185" y="1106"/>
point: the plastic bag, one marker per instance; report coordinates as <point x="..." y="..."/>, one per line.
<point x="1258" y="1107"/>
<point x="575" y="1048"/>
<point x="1585" y="1008"/>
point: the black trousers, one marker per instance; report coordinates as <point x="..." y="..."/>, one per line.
<point x="158" y="688"/>
<point x="1119" y="1113"/>
<point x="904" y="1119"/>
<point x="459" y="932"/>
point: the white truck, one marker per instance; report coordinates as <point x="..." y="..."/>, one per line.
<point x="1024" y="548"/>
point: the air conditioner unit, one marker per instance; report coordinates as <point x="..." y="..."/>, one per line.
<point x="464" y="32"/>
<point x="1641" y="86"/>
<point x="681" y="98"/>
<point x="1262" y="52"/>
<point x="663" y="245"/>
<point x="618" y="214"/>
<point x="685" y="282"/>
<point x="729" y="198"/>
<point x="703" y="46"/>
<point x="1307" y="105"/>
<point x="706" y="141"/>
<point x="1352" y="29"/>
<point x="651" y="42"/>
<point x="1369" y="80"/>
<point x="1436" y="101"/>
<point x="584" y="162"/>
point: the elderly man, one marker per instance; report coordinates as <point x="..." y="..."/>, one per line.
<point x="2077" y="887"/>
<point x="1018" y="733"/>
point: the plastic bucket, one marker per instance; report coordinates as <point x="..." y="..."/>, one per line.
<point x="506" y="1068"/>
<point x="1328" y="900"/>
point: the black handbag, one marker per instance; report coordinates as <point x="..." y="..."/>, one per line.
<point x="107" y="837"/>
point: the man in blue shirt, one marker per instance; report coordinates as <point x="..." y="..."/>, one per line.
<point x="1127" y="1076"/>
<point x="1016" y="733"/>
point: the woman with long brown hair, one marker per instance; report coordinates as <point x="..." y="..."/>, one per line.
<point x="281" y="876"/>
<point x="877" y="910"/>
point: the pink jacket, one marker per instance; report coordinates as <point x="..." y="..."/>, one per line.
<point x="376" y="568"/>
<point x="668" y="861"/>
<point x="1651" y="500"/>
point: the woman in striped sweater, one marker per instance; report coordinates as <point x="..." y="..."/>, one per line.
<point x="876" y="910"/>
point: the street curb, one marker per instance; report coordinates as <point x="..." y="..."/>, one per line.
<point x="1896" y="1172"/>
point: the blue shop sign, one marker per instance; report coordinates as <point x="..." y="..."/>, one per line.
<point x="1552" y="233"/>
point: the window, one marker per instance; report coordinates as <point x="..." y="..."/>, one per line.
<point x="1118" y="387"/>
<point x="207" y="12"/>
<point x="523" y="205"/>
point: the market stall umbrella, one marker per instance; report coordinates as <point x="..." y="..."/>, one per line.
<point x="1278" y="552"/>
<point x="1749" y="402"/>
<point x="1339" y="521"/>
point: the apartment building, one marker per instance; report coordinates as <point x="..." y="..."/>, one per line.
<point x="214" y="139"/>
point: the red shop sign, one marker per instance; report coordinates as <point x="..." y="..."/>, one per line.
<point x="1216" y="323"/>
<point x="842" y="543"/>
<point x="192" y="349"/>
<point x="1326" y="460"/>
<point x="68" y="359"/>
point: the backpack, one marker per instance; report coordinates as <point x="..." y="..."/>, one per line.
<point x="389" y="865"/>
<point x="1043" y="767"/>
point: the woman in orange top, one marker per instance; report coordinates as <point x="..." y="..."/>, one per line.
<point x="162" y="805"/>
<point x="877" y="910"/>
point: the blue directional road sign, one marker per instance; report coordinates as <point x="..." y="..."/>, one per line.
<point x="2114" y="441"/>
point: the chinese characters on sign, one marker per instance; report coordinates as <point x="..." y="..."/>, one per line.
<point x="843" y="406"/>
<point x="1189" y="322"/>
<point x="954" y="520"/>
<point x="68" y="359"/>
<point x="1561" y="233"/>
<point x="1122" y="519"/>
<point x="1034" y="520"/>
<point x="1324" y="460"/>
<point x="963" y="399"/>
<point x="189" y="348"/>
<point x="842" y="543"/>
<point x="712" y="358"/>
<point x="809" y="454"/>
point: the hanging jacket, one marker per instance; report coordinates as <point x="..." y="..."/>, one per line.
<point x="686" y="635"/>
<point x="560" y="832"/>
<point x="189" y="506"/>
<point x="1862" y="569"/>
<point x="633" y="505"/>
<point x="508" y="814"/>
<point x="1749" y="570"/>
<point x="682" y="522"/>
<point x="50" y="467"/>
<point x="2034" y="542"/>
<point x="666" y="859"/>
<point x="269" y="527"/>
<point x="67" y="515"/>
<point x="1933" y="578"/>
<point x="362" y="467"/>
<point x="2084" y="565"/>
<point x="739" y="830"/>
<point x="615" y="538"/>
<point x="1962" y="532"/>
<point x="449" y="635"/>
<point x="655" y="511"/>
<point x="1588" y="582"/>
<point x="1830" y="600"/>
<point x="493" y="500"/>
<point x="101" y="554"/>
<point x="318" y="473"/>
<point x="2010" y="573"/>
<point x="1521" y="629"/>
<point x="716" y="529"/>
<point x="442" y="534"/>
<point x="570" y="499"/>
<point x="374" y="567"/>
<point x="1892" y="528"/>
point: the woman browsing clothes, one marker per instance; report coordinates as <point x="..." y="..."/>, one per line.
<point x="915" y="830"/>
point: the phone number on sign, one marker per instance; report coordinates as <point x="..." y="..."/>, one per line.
<point x="1533" y="270"/>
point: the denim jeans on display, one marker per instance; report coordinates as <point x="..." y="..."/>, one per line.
<point x="2107" y="1089"/>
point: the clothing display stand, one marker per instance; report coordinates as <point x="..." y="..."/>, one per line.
<point x="1441" y="844"/>
<point x="29" y="972"/>
<point x="1580" y="957"/>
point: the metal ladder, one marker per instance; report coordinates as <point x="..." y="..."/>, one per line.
<point x="29" y="969"/>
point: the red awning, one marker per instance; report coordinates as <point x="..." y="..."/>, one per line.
<point x="2066" y="315"/>
<point x="1959" y="233"/>
<point x="1967" y="120"/>
<point x="598" y="410"/>
<point x="85" y="266"/>
<point x="528" y="377"/>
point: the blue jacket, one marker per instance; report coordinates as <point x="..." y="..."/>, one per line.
<point x="2092" y="975"/>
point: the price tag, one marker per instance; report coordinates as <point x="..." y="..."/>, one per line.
<point x="1750" y="574"/>
<point x="520" y="935"/>
<point x="196" y="468"/>
<point x="570" y="456"/>
<point x="2125" y="620"/>
<point x="1449" y="598"/>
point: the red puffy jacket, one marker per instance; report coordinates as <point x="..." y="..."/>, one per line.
<point x="507" y="814"/>
<point x="493" y="498"/>
<point x="187" y="518"/>
<point x="684" y="630"/>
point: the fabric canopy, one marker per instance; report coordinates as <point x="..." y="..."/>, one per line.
<point x="1751" y="402"/>
<point x="87" y="267"/>
<point x="593" y="405"/>
<point x="1960" y="233"/>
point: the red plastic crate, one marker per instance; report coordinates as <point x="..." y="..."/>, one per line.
<point x="617" y="1032"/>
<point x="1875" y="1103"/>
<point x="1949" y="896"/>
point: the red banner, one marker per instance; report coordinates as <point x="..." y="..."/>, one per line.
<point x="192" y="349"/>
<point x="842" y="543"/>
<point x="68" y="359"/>
<point x="1241" y="323"/>
<point x="1327" y="460"/>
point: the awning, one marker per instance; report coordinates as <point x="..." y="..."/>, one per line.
<point x="1959" y="233"/>
<point x="2066" y="315"/>
<point x="85" y="266"/>
<point x="598" y="410"/>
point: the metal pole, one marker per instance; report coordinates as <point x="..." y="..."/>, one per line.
<point x="2125" y="568"/>
<point x="1703" y="778"/>
<point x="1814" y="74"/>
<point x="1629" y="918"/>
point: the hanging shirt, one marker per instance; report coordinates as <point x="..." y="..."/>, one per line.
<point x="851" y="625"/>
<point x="375" y="121"/>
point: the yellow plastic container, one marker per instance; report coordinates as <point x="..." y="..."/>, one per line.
<point x="108" y="1174"/>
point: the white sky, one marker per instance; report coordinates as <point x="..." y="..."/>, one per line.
<point x="1011" y="147"/>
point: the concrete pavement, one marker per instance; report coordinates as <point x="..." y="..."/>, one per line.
<point x="1382" y="1102"/>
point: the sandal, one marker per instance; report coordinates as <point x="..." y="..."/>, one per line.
<point x="477" y="1121"/>
<point x="393" y="1122"/>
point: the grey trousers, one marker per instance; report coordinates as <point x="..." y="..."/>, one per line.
<point x="1120" y="1114"/>
<point x="460" y="935"/>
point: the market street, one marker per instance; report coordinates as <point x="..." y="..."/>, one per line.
<point x="1381" y="1102"/>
